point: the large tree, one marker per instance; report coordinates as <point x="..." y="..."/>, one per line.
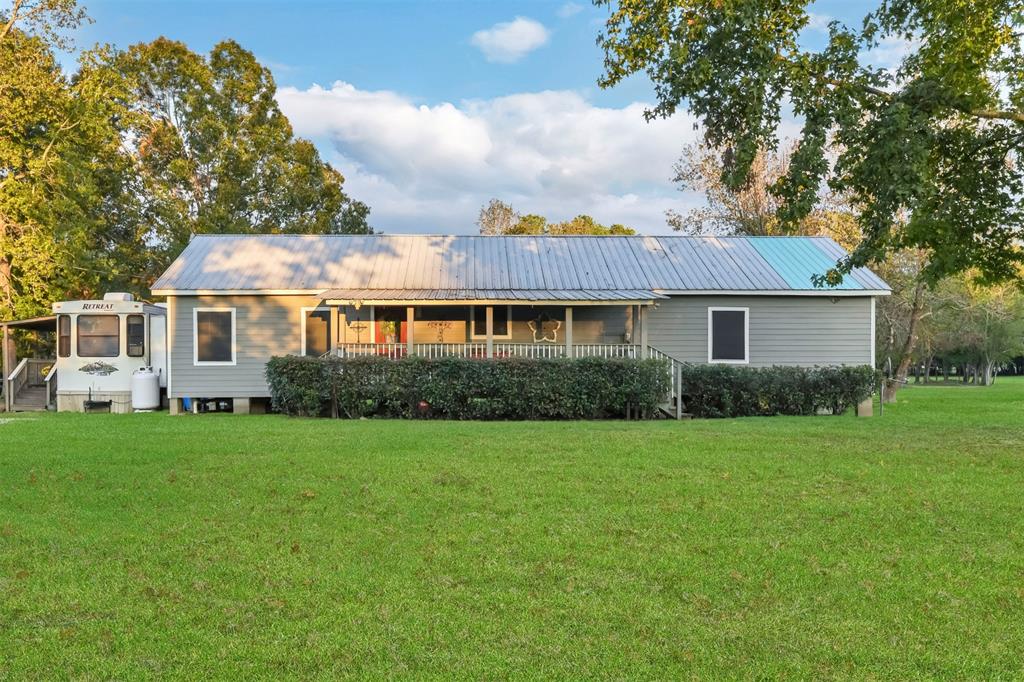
<point x="935" y="139"/>
<point x="752" y="209"/>
<point x="60" y="161"/>
<point x="216" y="154"/>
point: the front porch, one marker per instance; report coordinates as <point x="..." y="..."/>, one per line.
<point x="476" y="329"/>
<point x="484" y="330"/>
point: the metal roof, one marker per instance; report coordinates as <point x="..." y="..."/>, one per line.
<point x="491" y="294"/>
<point x="461" y="267"/>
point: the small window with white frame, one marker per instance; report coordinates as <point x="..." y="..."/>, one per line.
<point x="501" y="324"/>
<point x="729" y="335"/>
<point x="213" y="336"/>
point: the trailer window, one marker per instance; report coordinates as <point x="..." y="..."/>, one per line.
<point x="64" y="336"/>
<point x="136" y="336"/>
<point x="99" y="336"/>
<point x="214" y="330"/>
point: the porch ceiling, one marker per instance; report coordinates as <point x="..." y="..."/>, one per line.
<point x="498" y="295"/>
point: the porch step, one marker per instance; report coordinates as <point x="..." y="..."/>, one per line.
<point x="30" y="399"/>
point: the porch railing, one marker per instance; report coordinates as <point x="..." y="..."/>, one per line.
<point x="51" y="387"/>
<point x="479" y="350"/>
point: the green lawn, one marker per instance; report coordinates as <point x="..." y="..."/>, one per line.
<point x="218" y="546"/>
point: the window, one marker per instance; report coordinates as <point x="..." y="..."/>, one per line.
<point x="99" y="336"/>
<point x="213" y="336"/>
<point x="136" y="331"/>
<point x="64" y="336"/>
<point x="728" y="335"/>
<point x="316" y="331"/>
<point x="502" y="322"/>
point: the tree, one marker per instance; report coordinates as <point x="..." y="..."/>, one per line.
<point x="60" y="160"/>
<point x="752" y="209"/>
<point x="936" y="139"/>
<point x="499" y="218"/>
<point x="530" y="224"/>
<point x="979" y="327"/>
<point x="496" y="218"/>
<point x="215" y="153"/>
<point x="901" y="315"/>
<point x="584" y="224"/>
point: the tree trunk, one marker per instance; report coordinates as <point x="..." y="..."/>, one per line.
<point x="6" y="280"/>
<point x="986" y="373"/>
<point x="907" y="352"/>
<point x="928" y="369"/>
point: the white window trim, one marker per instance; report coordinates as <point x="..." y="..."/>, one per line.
<point x="302" y="326"/>
<point x="746" y="335"/>
<point x="195" y="339"/>
<point x="472" y="324"/>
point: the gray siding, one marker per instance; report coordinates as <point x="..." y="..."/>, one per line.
<point x="270" y="325"/>
<point x="265" y="326"/>
<point x="784" y="330"/>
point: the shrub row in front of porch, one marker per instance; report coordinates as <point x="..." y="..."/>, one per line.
<point x="730" y="391"/>
<point x="460" y="388"/>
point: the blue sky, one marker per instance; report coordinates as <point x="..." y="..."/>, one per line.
<point x="431" y="108"/>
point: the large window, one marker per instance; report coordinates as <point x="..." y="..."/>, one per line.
<point x="64" y="336"/>
<point x="502" y="322"/>
<point x="99" y="336"/>
<point x="214" y="336"/>
<point x="316" y="331"/>
<point x="728" y="335"/>
<point x="136" y="330"/>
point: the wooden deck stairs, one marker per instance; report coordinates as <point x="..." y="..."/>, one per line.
<point x="30" y="399"/>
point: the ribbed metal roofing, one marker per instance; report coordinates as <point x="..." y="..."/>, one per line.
<point x="460" y="267"/>
<point x="491" y="294"/>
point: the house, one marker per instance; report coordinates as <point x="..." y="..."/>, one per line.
<point x="234" y="301"/>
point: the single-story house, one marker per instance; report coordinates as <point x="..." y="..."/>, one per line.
<point x="234" y="301"/>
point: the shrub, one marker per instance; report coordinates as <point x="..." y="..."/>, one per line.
<point x="730" y="391"/>
<point x="459" y="388"/>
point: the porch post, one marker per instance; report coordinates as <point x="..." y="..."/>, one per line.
<point x="490" y="331"/>
<point x="568" y="331"/>
<point x="410" y="323"/>
<point x="7" y="347"/>
<point x="337" y="319"/>
<point x="643" y="332"/>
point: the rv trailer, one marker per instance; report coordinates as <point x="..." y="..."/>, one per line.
<point x="107" y="348"/>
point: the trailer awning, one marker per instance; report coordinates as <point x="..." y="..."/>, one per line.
<point x="443" y="296"/>
<point x="46" y="323"/>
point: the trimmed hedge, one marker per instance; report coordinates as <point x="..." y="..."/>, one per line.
<point x="730" y="391"/>
<point x="459" y="388"/>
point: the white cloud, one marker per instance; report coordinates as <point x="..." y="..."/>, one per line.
<point x="569" y="9"/>
<point x="429" y="168"/>
<point x="510" y="41"/>
<point x="889" y="52"/>
<point x="818" y="22"/>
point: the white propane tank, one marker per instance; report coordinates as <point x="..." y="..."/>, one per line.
<point x="145" y="389"/>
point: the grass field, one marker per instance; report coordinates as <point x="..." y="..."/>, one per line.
<point x="222" y="546"/>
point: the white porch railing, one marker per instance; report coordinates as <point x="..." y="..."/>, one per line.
<point x="479" y="350"/>
<point x="673" y="373"/>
